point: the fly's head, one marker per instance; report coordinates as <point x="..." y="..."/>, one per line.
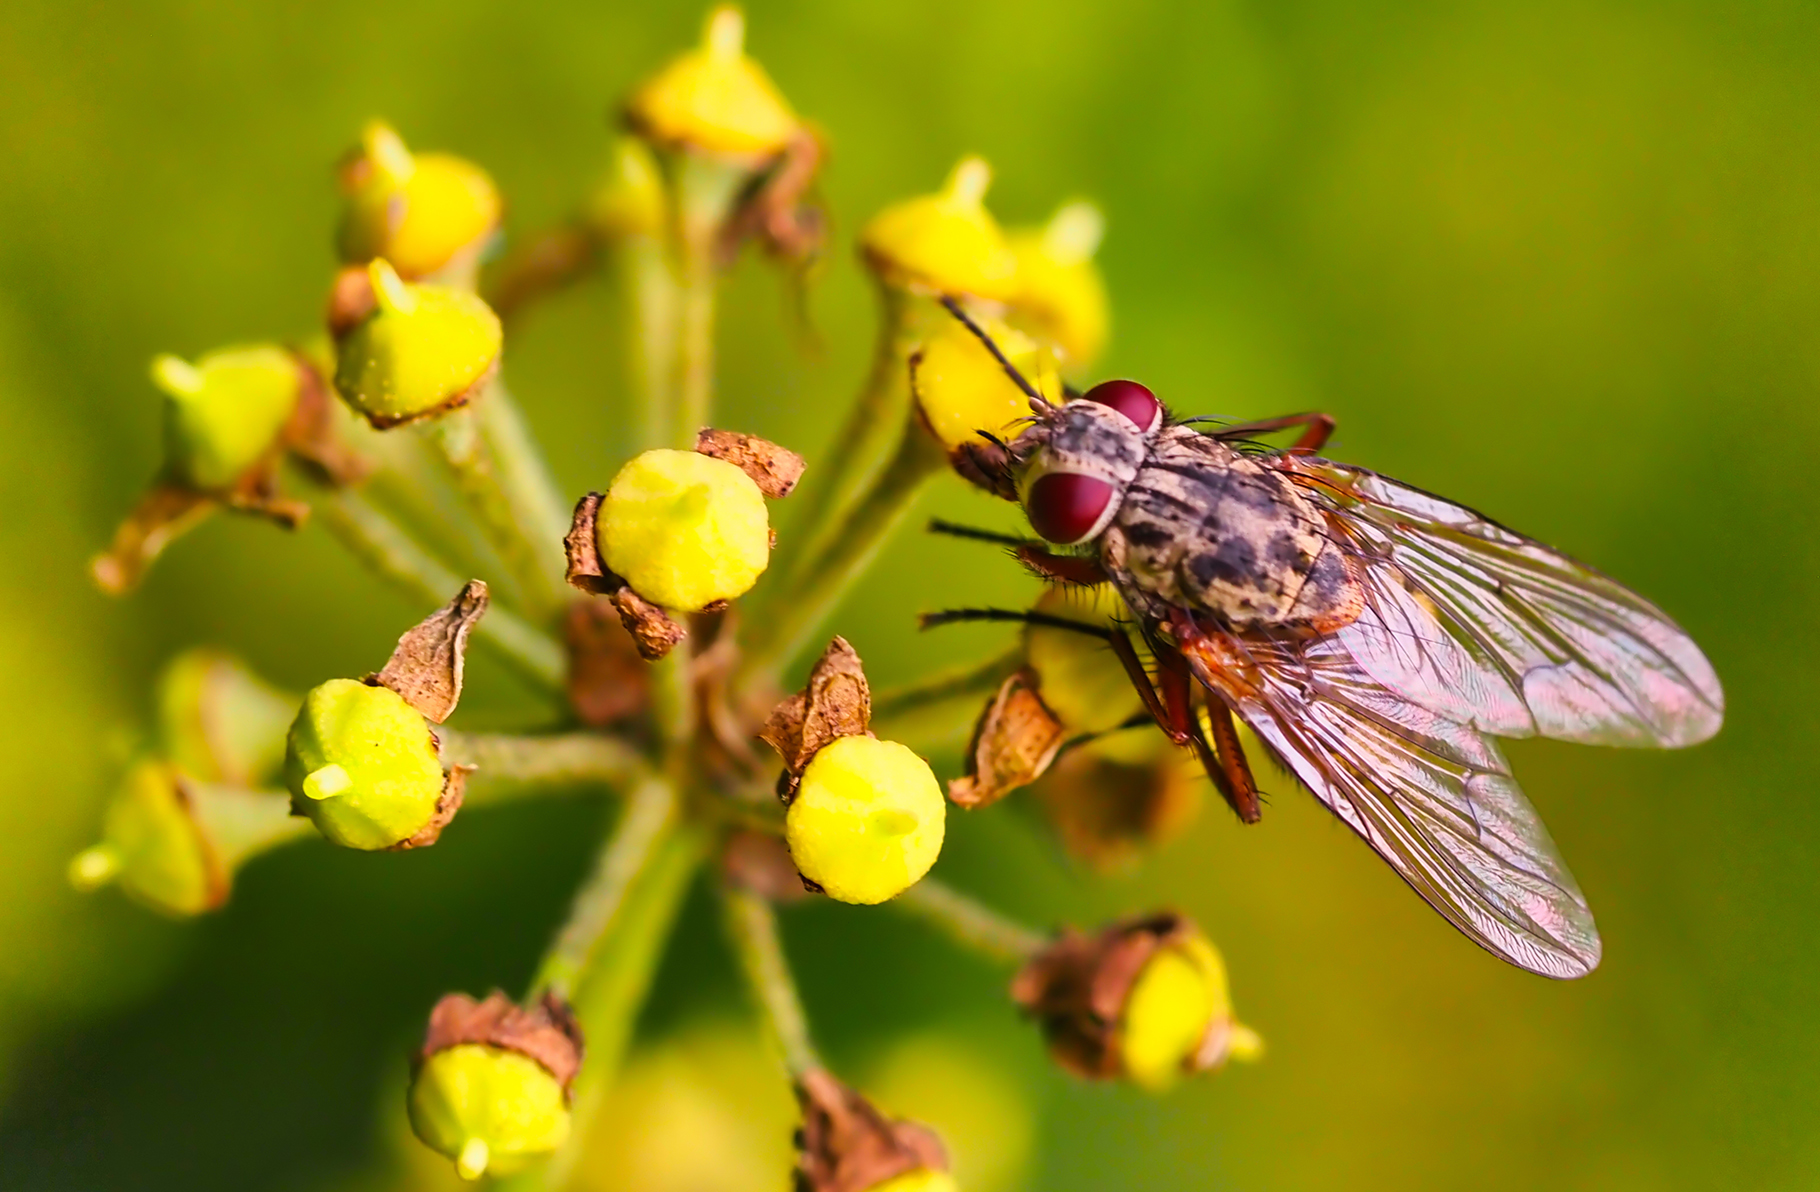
<point x="1072" y="468"/>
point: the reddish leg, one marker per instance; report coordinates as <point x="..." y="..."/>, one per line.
<point x="1235" y="781"/>
<point x="1320" y="426"/>
<point x="1156" y="705"/>
<point x="1068" y="569"/>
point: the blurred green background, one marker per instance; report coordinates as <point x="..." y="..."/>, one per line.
<point x="1560" y="261"/>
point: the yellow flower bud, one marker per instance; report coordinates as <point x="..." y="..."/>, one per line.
<point x="363" y="765"/>
<point x="418" y="211"/>
<point x="1180" y="994"/>
<point x="1081" y="680"/>
<point x="962" y="390"/>
<point x="684" y="529"/>
<point x="715" y="99"/>
<point x="946" y="243"/>
<point x="224" y="413"/>
<point x="923" y="1179"/>
<point x="1059" y="289"/>
<point x="867" y="821"/>
<point x="490" y="1109"/>
<point x="629" y="201"/>
<point x="423" y="349"/>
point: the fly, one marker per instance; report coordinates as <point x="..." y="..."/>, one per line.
<point x="1375" y="637"/>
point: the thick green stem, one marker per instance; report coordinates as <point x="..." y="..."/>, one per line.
<point x="706" y="189"/>
<point x="673" y="699"/>
<point x="813" y="595"/>
<point x="970" y="922"/>
<point x="458" y="436"/>
<point x="524" y="478"/>
<point x="752" y="930"/>
<point x="377" y="542"/>
<point x="649" y="285"/>
<point x="609" y="952"/>
<point x="508" y="765"/>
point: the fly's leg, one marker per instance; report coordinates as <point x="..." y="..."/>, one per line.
<point x="1171" y="719"/>
<point x="1233" y="771"/>
<point x="1320" y="426"/>
<point x="1033" y="553"/>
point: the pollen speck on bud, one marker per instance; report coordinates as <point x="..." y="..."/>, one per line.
<point x="944" y="243"/>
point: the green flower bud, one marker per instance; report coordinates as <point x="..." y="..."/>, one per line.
<point x="220" y="722"/>
<point x="946" y="243"/>
<point x="684" y="530"/>
<point x="173" y="843"/>
<point x="1060" y="291"/>
<point x="491" y="1086"/>
<point x="715" y="99"/>
<point x="867" y="820"/>
<point x="423" y="350"/>
<point x="629" y="201"/>
<point x="225" y="413"/>
<point x="418" y="211"/>
<point x="962" y="391"/>
<point x="362" y="764"/>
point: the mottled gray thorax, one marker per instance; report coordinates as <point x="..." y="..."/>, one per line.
<point x="1206" y="528"/>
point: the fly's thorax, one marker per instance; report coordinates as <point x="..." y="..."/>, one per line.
<point x="1205" y="528"/>
<point x="1075" y="469"/>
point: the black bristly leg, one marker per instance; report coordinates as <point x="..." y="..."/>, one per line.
<point x="1033" y="553"/>
<point x="1320" y="426"/>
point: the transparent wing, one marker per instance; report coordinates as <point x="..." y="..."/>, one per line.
<point x="1434" y="798"/>
<point x="1529" y="641"/>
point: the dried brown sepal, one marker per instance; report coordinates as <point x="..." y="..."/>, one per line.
<point x="606" y="684"/>
<point x="454" y="787"/>
<point x="1108" y="813"/>
<point x="837" y="702"/>
<point x="309" y="435"/>
<point x="351" y="300"/>
<point x="847" y="1145"/>
<point x="774" y="469"/>
<point x="426" y="667"/>
<point x="163" y="514"/>
<point x="653" y="631"/>
<point x="1016" y="739"/>
<point x="1077" y="988"/>
<point x="760" y="862"/>
<point x="582" y="546"/>
<point x="550" y="261"/>
<point x="779" y="209"/>
<point x="546" y="1033"/>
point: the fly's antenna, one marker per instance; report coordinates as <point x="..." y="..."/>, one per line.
<point x="956" y="530"/>
<point x="1023" y="616"/>
<point x="1039" y="405"/>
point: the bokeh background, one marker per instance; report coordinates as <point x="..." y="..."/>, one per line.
<point x="1559" y="260"/>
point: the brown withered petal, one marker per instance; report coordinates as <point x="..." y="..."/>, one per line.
<point x="847" y="1145"/>
<point x="774" y="469"/>
<point x="163" y="514"/>
<point x="653" y="630"/>
<point x="606" y="682"/>
<point x="351" y="300"/>
<point x="582" y="545"/>
<point x="309" y="435"/>
<point x="454" y="787"/>
<point x="1077" y="986"/>
<point x="760" y="862"/>
<point x="546" y="1033"/>
<point x="426" y="667"/>
<point x="548" y="262"/>
<point x="1107" y="812"/>
<point x="1016" y="739"/>
<point x="837" y="702"/>
<point x="777" y="208"/>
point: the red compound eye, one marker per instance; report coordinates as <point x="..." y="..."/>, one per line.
<point x="1131" y="399"/>
<point x="1064" y="507"/>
